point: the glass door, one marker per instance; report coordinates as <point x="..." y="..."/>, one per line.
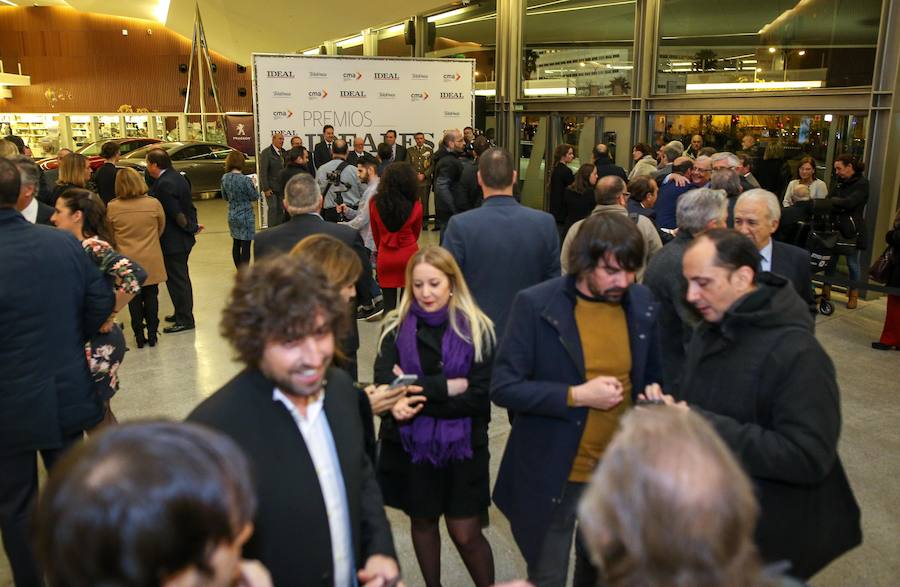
<point x="533" y="142"/>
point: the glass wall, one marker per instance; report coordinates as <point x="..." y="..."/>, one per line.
<point x="578" y="48"/>
<point x="471" y="33"/>
<point x="766" y="45"/>
<point x="392" y="43"/>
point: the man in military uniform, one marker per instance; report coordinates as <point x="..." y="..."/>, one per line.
<point x="419" y="157"/>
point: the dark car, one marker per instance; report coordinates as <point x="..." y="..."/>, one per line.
<point x="92" y="151"/>
<point x="203" y="164"/>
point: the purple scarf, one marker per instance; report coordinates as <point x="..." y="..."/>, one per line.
<point x="436" y="440"/>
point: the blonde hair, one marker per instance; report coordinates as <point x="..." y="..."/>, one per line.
<point x="130" y="184"/>
<point x="461" y="301"/>
<point x="800" y="193"/>
<point x="339" y="263"/>
<point x="71" y="170"/>
<point x="8" y="149"/>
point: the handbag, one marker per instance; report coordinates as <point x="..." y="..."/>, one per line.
<point x="882" y="268"/>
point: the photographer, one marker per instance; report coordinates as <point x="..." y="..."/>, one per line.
<point x="339" y="183"/>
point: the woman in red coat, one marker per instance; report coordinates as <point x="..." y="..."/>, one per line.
<point x="396" y="220"/>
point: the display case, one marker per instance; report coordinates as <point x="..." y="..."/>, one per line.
<point x="39" y="131"/>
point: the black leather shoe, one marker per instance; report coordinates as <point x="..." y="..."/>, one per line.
<point x="880" y="346"/>
<point x="151" y="339"/>
<point x="170" y="318"/>
<point x="177" y="328"/>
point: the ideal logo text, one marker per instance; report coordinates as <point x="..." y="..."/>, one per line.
<point x="280" y="73"/>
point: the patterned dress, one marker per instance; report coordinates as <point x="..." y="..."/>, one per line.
<point x="105" y="350"/>
<point x="238" y="191"/>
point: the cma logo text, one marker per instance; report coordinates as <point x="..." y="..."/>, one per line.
<point x="451" y="96"/>
<point x="387" y="76"/>
<point x="318" y="94"/>
<point x="452" y="77"/>
<point x="352" y="76"/>
<point x="282" y="114"/>
<point x="280" y="73"/>
<point x="353" y="94"/>
<point x="418" y="96"/>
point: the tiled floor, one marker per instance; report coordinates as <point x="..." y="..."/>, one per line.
<point x="169" y="380"/>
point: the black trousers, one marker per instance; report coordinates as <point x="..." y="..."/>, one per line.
<point x="144" y="310"/>
<point x="390" y="296"/>
<point x="179" y="286"/>
<point x="276" y="213"/>
<point x="240" y="252"/>
<point x="18" y="488"/>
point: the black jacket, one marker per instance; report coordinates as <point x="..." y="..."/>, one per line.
<point x="577" y="206"/>
<point x="105" y="180"/>
<point x="892" y="238"/>
<point x="285" y="175"/>
<point x="560" y="178"/>
<point x="769" y="388"/>
<point x="174" y="193"/>
<point x="469" y="194"/>
<point x="291" y="536"/>
<point x="447" y="173"/>
<point x="849" y="199"/>
<point x="321" y="156"/>
<point x="353" y="158"/>
<point x="606" y="166"/>
<point x="474" y="402"/>
<point x="539" y="359"/>
<point x="52" y="299"/>
<point x="45" y="213"/>
<point x="793" y="263"/>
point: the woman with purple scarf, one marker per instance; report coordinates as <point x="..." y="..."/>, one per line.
<point x="434" y="443"/>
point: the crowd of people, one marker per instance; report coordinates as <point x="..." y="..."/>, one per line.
<point x="673" y="416"/>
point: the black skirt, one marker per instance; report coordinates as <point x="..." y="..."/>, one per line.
<point x="458" y="490"/>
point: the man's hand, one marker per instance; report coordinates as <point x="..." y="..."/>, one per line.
<point x="341" y="208"/>
<point x="380" y="571"/>
<point x="678" y="179"/>
<point x="107" y="326"/>
<point x="654" y="393"/>
<point x="268" y="193"/>
<point x="601" y="393"/>
<point x="457" y="386"/>
<point x="200" y="228"/>
<point x="383" y="398"/>
<point x="407" y="407"/>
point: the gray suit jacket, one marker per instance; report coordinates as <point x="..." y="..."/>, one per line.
<point x="270" y="166"/>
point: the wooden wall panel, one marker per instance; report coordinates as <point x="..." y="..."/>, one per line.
<point x="85" y="59"/>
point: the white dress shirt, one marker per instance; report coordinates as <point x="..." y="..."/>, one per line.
<point x="766" y="254"/>
<point x="30" y="211"/>
<point x="320" y="443"/>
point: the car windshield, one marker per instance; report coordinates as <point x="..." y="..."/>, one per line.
<point x="91" y="149"/>
<point x="142" y="152"/>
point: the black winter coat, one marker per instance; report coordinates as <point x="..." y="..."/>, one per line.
<point x="893" y="239"/>
<point x="849" y="199"/>
<point x="560" y="178"/>
<point x="769" y="388"/>
<point x="447" y="173"/>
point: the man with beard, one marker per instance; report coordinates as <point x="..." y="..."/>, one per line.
<point x="577" y="348"/>
<point x="321" y="517"/>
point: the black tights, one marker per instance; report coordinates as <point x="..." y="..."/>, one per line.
<point x="240" y="252"/>
<point x="471" y="544"/>
<point x="390" y="297"/>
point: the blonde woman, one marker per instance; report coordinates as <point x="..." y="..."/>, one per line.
<point x="137" y="221"/>
<point x="74" y="172"/>
<point x="434" y="443"/>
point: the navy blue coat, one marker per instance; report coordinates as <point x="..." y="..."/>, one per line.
<point x="502" y="248"/>
<point x="539" y="358"/>
<point x="174" y="193"/>
<point x="52" y="299"/>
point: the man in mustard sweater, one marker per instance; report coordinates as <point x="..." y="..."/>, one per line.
<point x="576" y="352"/>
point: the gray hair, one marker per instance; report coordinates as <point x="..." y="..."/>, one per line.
<point x="731" y="158"/>
<point x="728" y="180"/>
<point x="28" y="170"/>
<point x="673" y="150"/>
<point x="670" y="463"/>
<point x="697" y="208"/>
<point x="703" y="159"/>
<point x="301" y="194"/>
<point x="765" y="196"/>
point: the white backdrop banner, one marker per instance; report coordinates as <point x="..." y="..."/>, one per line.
<point x="360" y="96"/>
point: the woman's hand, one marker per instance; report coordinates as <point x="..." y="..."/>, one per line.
<point x="107" y="326"/>
<point x="653" y="393"/>
<point x="457" y="386"/>
<point x="382" y="398"/>
<point x="407" y="408"/>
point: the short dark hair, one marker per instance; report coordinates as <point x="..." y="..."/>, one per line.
<point x="745" y="158"/>
<point x="367" y="162"/>
<point x="384" y="151"/>
<point x="465" y="128"/>
<point x="110" y="149"/>
<point x="644" y="148"/>
<point x="160" y="158"/>
<point x="640" y="187"/>
<point x="340" y="147"/>
<point x="279" y="300"/>
<point x="295" y="152"/>
<point x="480" y="145"/>
<point x="419" y="133"/>
<point x="141" y="501"/>
<point x="326" y="127"/>
<point x="606" y="234"/>
<point x="10" y="183"/>
<point x="93" y="213"/>
<point x="560" y="151"/>
<point x="496" y="168"/>
<point x="389" y="131"/>
<point x="733" y="250"/>
<point x="682" y="167"/>
<point x="707" y="151"/>
<point x="852" y="160"/>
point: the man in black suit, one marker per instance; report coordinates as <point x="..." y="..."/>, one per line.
<point x="398" y="151"/>
<point x="757" y="214"/>
<point x="303" y="201"/>
<point x="605" y="165"/>
<point x="34" y="211"/>
<point x="359" y="154"/>
<point x="174" y="193"/>
<point x="271" y="162"/>
<point x="322" y="153"/>
<point x="52" y="299"/>
<point x="105" y="176"/>
<point x="320" y="519"/>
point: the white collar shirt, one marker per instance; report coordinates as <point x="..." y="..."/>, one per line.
<point x="766" y="257"/>
<point x="30" y="211"/>
<point x="320" y="443"/>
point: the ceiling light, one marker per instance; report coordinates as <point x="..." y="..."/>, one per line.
<point x="446" y="15"/>
<point x="8" y="3"/>
<point x="798" y="85"/>
<point x="313" y="51"/>
<point x="161" y="11"/>
<point x="801" y="52"/>
<point x="351" y="42"/>
<point x="531" y="12"/>
<point x="582" y="64"/>
<point x="771" y="49"/>
<point x="397" y="29"/>
<point x="124" y="32"/>
<point x="549" y="91"/>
